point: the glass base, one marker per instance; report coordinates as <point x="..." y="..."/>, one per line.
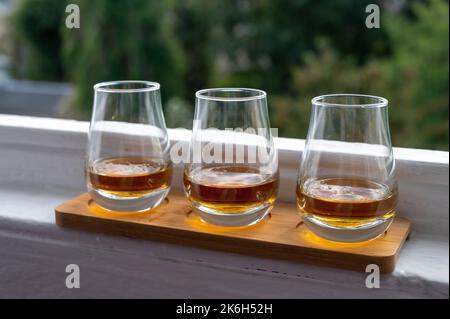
<point x="348" y="234"/>
<point x="128" y="204"/>
<point x="248" y="218"/>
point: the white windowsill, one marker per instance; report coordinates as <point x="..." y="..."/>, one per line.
<point x="41" y="165"/>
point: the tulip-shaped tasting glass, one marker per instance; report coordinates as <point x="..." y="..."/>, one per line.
<point x="128" y="168"/>
<point x="347" y="189"/>
<point x="232" y="176"/>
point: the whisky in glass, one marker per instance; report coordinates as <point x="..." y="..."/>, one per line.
<point x="128" y="167"/>
<point x="231" y="189"/>
<point x="232" y="176"/>
<point x="347" y="189"/>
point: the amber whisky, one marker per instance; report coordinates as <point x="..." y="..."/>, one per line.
<point x="231" y="189"/>
<point x="129" y="176"/>
<point x="346" y="202"/>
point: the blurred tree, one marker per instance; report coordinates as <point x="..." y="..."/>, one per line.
<point x="418" y="75"/>
<point x="324" y="72"/>
<point x="37" y="50"/>
<point x="179" y="113"/>
<point x="122" y="40"/>
<point x="414" y="79"/>
<point x="264" y="39"/>
<point x="195" y="23"/>
<point x="294" y="49"/>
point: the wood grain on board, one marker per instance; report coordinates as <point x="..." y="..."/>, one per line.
<point x="280" y="236"/>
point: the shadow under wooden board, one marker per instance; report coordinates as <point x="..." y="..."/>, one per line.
<point x="281" y="236"/>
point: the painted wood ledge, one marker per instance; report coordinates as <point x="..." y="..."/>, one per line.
<point x="41" y="166"/>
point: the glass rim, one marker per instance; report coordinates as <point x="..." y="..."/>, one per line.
<point x="104" y="86"/>
<point x="260" y="94"/>
<point x="378" y="101"/>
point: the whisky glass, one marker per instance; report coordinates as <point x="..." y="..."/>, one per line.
<point x="232" y="175"/>
<point x="347" y="190"/>
<point x="128" y="168"/>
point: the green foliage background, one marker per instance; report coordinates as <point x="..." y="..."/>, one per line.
<point x="293" y="49"/>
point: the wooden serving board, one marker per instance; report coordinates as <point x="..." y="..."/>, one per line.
<point x="282" y="235"/>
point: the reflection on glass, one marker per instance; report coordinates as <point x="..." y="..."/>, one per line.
<point x="232" y="177"/>
<point x="347" y="189"/>
<point x="128" y="167"/>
